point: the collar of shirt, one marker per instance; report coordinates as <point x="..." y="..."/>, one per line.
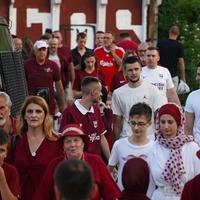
<point x="82" y="109"/>
<point x="106" y="50"/>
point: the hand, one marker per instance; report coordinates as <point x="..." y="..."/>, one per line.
<point x="115" y="174"/>
<point x="102" y="105"/>
<point x="112" y="49"/>
<point x="2" y="174"/>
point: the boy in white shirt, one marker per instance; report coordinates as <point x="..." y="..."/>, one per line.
<point x="137" y="145"/>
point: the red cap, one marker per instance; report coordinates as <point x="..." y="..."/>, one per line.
<point x="74" y="130"/>
<point x="172" y="110"/>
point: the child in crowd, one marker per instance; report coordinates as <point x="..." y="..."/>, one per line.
<point x="137" y="145"/>
<point x="9" y="179"/>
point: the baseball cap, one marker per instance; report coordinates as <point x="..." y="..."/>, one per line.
<point x="40" y="44"/>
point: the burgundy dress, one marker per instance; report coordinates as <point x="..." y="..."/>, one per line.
<point x="32" y="167"/>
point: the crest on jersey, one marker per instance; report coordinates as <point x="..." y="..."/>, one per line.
<point x="95" y="124"/>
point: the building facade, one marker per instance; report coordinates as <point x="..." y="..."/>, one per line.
<point x="31" y="18"/>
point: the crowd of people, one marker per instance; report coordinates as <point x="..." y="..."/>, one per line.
<point x="103" y="123"/>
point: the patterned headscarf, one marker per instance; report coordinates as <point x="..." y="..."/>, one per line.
<point x="174" y="167"/>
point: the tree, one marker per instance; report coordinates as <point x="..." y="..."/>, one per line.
<point x="185" y="14"/>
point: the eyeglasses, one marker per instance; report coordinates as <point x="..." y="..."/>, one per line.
<point x="139" y="124"/>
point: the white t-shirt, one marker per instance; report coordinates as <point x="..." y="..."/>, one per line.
<point x="192" y="106"/>
<point x="160" y="77"/>
<point x="125" y="97"/>
<point x="123" y="150"/>
<point x="157" y="159"/>
<point x="56" y="59"/>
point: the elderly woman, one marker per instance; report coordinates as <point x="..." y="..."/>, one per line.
<point x="74" y="142"/>
<point x="135" y="179"/>
<point x="35" y="147"/>
<point x="173" y="159"/>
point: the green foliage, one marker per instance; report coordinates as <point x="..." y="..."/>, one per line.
<point x="185" y="14"/>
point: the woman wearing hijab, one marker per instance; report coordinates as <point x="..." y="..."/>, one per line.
<point x="173" y="159"/>
<point x="135" y="179"/>
<point x="74" y="143"/>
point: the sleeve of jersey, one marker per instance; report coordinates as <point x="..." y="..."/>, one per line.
<point x="158" y="100"/>
<point x="70" y="59"/>
<point x="196" y="161"/>
<point x="108" y="188"/>
<point x="113" y="160"/>
<point x="188" y="105"/>
<point x="116" y="105"/>
<point x="170" y="83"/>
<point x="56" y="72"/>
<point x="77" y="83"/>
<point x="14" y="183"/>
<point x="120" y="52"/>
<point x="66" y="119"/>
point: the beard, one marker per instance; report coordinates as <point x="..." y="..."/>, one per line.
<point x="134" y="81"/>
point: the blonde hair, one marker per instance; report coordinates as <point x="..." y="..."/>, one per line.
<point x="48" y="121"/>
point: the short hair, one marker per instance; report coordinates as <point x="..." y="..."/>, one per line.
<point x="130" y="60"/>
<point x="174" y="30"/>
<point x="113" y="37"/>
<point x="141" y="109"/>
<point x="81" y="35"/>
<point x="46" y="36"/>
<point x="86" y="84"/>
<point x="124" y="35"/>
<point x="151" y="48"/>
<point x="74" y="179"/>
<point x="13" y="36"/>
<point x="7" y="98"/>
<point x="48" y="30"/>
<point x="56" y="31"/>
<point x="4" y="138"/>
<point x="143" y="46"/>
<point x="100" y="32"/>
